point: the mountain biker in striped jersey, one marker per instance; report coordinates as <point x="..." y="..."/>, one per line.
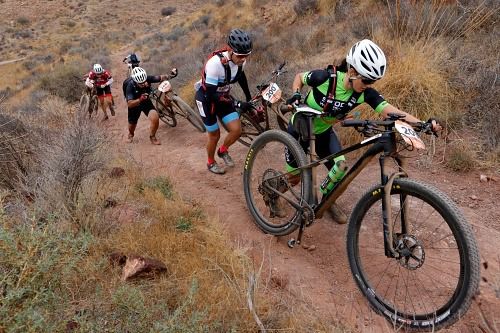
<point x="213" y="99"/>
<point x="337" y="91"/>
<point x="102" y="80"/>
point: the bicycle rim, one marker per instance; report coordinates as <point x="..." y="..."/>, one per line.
<point x="265" y="168"/>
<point x="250" y="129"/>
<point x="433" y="282"/>
<point x="94" y="105"/>
<point x="84" y="103"/>
<point x="187" y="112"/>
<point x="165" y="113"/>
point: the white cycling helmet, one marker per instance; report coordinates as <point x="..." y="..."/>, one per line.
<point x="98" y="69"/>
<point x="139" y="75"/>
<point x="367" y="59"/>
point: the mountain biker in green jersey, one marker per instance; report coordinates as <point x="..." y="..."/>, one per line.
<point x="337" y="91"/>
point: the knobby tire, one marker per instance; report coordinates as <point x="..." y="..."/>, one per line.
<point x="165" y="113"/>
<point x="250" y="129"/>
<point x="183" y="109"/>
<point x="256" y="161"/>
<point x="437" y="293"/>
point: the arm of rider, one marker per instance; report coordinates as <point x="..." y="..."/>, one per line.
<point x="296" y="87"/>
<point x="243" y="82"/>
<point x="436" y="127"/>
<point x="89" y="83"/>
<point x="135" y="102"/>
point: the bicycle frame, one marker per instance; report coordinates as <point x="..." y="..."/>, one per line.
<point x="263" y="89"/>
<point x="384" y="144"/>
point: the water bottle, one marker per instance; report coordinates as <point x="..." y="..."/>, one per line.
<point x="335" y="174"/>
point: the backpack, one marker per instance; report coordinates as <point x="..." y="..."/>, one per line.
<point x="124" y="86"/>
<point x="332" y="70"/>
<point x="227" y="69"/>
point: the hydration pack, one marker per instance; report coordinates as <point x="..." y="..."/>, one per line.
<point x="225" y="62"/>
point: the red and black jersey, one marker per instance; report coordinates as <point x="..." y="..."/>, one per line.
<point x="102" y="79"/>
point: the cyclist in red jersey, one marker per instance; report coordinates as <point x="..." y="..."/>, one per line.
<point x="102" y="80"/>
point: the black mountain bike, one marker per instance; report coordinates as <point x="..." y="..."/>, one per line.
<point x="411" y="251"/>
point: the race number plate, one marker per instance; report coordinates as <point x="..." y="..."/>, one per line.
<point x="165" y="86"/>
<point x="272" y="93"/>
<point x="409" y="135"/>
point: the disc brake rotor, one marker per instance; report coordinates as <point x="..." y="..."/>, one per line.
<point x="411" y="251"/>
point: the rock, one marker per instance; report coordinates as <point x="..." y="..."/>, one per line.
<point x="311" y="248"/>
<point x="473" y="197"/>
<point x="483" y="178"/>
<point x="116" y="172"/>
<point x="137" y="265"/>
<point x="117" y="259"/>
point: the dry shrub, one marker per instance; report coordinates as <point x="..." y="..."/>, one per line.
<point x="64" y="81"/>
<point x="461" y="156"/>
<point x="14" y="150"/>
<point x="304" y="7"/>
<point x="67" y="155"/>
<point x="416" y="81"/>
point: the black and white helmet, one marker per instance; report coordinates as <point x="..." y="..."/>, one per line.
<point x="367" y="59"/>
<point x="98" y="69"/>
<point x="139" y="75"/>
<point x="239" y="42"/>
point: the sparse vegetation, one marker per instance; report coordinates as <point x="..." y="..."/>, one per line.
<point x="57" y="223"/>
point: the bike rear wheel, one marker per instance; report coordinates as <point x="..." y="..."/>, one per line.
<point x="265" y="169"/>
<point x="183" y="109"/>
<point x="165" y="113"/>
<point x="250" y="129"/>
<point x="433" y="282"/>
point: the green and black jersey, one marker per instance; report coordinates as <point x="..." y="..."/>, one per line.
<point x="318" y="80"/>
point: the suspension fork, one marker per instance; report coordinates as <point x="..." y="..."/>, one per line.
<point x="388" y="226"/>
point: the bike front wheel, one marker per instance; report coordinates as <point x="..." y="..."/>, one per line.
<point x="183" y="109"/>
<point x="94" y="105"/>
<point x="436" y="275"/>
<point x="165" y="113"/>
<point x="250" y="129"/>
<point x="265" y="174"/>
<point x="85" y="104"/>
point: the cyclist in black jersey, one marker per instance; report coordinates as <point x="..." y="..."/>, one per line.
<point x="137" y="95"/>
<point x="337" y="91"/>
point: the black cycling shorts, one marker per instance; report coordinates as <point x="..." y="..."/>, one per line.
<point x="224" y="111"/>
<point x="135" y="113"/>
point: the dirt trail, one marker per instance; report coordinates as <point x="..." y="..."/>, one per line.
<point x="319" y="278"/>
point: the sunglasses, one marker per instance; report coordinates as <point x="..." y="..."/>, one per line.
<point x="365" y="80"/>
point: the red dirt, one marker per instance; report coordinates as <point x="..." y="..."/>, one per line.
<point x="320" y="278"/>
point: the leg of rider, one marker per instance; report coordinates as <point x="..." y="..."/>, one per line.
<point x="109" y="99"/>
<point x="334" y="146"/>
<point x="234" y="132"/>
<point x="131" y="130"/>
<point x="213" y="138"/>
<point x="133" y="117"/>
<point x="154" y="123"/>
<point x="294" y="178"/>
